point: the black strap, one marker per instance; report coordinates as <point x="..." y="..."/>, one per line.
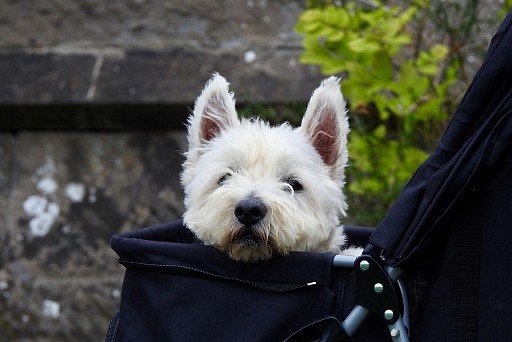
<point x="469" y="227"/>
<point x="328" y="329"/>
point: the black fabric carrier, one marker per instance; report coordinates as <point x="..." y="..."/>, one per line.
<point x="176" y="289"/>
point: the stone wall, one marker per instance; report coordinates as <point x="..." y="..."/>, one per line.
<point x="63" y="195"/>
<point x="84" y="65"/>
<point x="149" y="51"/>
<point x="93" y="95"/>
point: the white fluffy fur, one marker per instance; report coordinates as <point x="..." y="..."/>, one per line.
<point x="259" y="159"/>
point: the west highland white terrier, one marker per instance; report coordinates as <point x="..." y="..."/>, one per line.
<point x="253" y="190"/>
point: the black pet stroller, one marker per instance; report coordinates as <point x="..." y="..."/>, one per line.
<point x="437" y="268"/>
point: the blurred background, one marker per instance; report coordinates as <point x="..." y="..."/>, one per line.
<point x="94" y="96"/>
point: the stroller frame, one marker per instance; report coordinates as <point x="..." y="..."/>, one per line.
<point x="397" y="321"/>
<point x="399" y="330"/>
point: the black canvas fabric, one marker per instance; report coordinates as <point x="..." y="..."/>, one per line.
<point x="478" y="136"/>
<point x="451" y="228"/>
<point x="459" y="287"/>
<point x="176" y="289"/>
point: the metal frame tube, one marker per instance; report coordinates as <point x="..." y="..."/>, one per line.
<point x="354" y="319"/>
<point x="344" y="261"/>
<point x="405" y="301"/>
<point x="398" y="331"/>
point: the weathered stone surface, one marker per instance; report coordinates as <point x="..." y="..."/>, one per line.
<point x="178" y="76"/>
<point x="149" y="24"/>
<point x="44" y="78"/>
<point x="144" y="76"/>
<point x="150" y="51"/>
<point x="6" y="159"/>
<point x="65" y="195"/>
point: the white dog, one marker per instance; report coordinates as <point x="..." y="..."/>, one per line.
<point x="252" y="190"/>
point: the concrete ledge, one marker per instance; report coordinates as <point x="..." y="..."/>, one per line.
<point x="44" y="78"/>
<point x="78" y="117"/>
<point x="170" y="77"/>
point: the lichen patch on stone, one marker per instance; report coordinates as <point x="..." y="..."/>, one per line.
<point x="35" y="205"/>
<point x="75" y="192"/>
<point x="50" y="309"/>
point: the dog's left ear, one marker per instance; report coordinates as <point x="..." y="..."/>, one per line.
<point x="214" y="111"/>
<point x="325" y="124"/>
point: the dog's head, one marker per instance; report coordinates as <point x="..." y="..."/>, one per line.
<point x="253" y="190"/>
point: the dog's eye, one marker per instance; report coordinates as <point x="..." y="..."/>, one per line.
<point x="223" y="179"/>
<point x="295" y="184"/>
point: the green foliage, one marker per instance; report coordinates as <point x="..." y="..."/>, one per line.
<point x="397" y="92"/>
<point x="274" y="113"/>
<point x="507" y="5"/>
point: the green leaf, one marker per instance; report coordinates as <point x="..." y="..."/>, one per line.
<point x="380" y="132"/>
<point x="311" y="15"/>
<point x="362" y="45"/>
<point x="312" y="27"/>
<point x="429" y="69"/>
<point x="439" y="52"/>
<point x="333" y="68"/>
<point x="383" y="67"/>
<point x="335" y="16"/>
<point x="336" y="36"/>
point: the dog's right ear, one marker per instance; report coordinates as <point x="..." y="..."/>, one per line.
<point x="214" y="111"/>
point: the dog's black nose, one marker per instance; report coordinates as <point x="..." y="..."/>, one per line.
<point x="250" y="211"/>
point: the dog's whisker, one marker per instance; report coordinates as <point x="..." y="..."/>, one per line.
<point x="269" y="249"/>
<point x="231" y="248"/>
<point x="267" y="234"/>
<point x="276" y="235"/>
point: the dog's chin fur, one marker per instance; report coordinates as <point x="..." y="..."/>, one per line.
<point x="249" y="253"/>
<point x="259" y="161"/>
